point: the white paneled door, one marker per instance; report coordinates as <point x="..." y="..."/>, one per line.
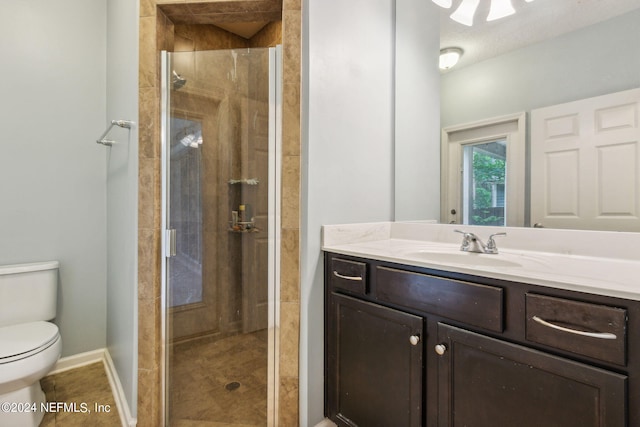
<point x="584" y="163"/>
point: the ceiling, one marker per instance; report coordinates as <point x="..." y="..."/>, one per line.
<point x="242" y="17"/>
<point x="532" y="23"/>
<point x="243" y="29"/>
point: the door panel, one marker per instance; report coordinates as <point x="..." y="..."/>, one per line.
<point x="484" y="382"/>
<point x="585" y="157"/>
<point x="193" y="284"/>
<point x="221" y="141"/>
<point x="218" y="281"/>
<point x="255" y="245"/>
<point x="375" y="372"/>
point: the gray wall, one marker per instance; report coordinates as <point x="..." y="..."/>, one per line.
<point x="63" y="196"/>
<point x="347" y="149"/>
<point x="52" y="173"/>
<point x="122" y="194"/>
<point x="417" y="111"/>
<point x="596" y="60"/>
<point x="371" y="149"/>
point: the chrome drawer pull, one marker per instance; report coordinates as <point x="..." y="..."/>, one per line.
<point x="602" y="335"/>
<point x="354" y="278"/>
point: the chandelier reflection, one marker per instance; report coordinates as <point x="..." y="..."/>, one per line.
<point x="466" y="10"/>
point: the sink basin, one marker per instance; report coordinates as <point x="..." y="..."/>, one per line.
<point x="464" y="258"/>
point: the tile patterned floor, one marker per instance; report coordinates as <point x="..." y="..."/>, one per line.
<point x="85" y="385"/>
<point x="202" y="370"/>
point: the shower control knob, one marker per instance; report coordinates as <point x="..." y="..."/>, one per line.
<point x="440" y="349"/>
<point x="414" y="339"/>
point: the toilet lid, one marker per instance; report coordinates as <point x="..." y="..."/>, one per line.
<point x="25" y="338"/>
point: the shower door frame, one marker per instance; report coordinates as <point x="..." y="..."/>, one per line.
<point x="274" y="229"/>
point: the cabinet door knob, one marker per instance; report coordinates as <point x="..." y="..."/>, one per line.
<point x="440" y="349"/>
<point x="414" y="339"/>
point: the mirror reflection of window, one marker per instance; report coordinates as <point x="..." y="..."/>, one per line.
<point x="185" y="213"/>
<point x="483" y="183"/>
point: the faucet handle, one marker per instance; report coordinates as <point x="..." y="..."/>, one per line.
<point x="491" y="244"/>
<point x="466" y="240"/>
<point x="466" y="236"/>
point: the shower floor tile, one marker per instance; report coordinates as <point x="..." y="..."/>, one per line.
<point x="203" y="373"/>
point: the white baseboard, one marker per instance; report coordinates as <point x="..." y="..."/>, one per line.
<point x="94" y="356"/>
<point x="78" y="360"/>
<point x="118" y="393"/>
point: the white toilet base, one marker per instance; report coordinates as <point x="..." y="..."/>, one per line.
<point x="17" y="406"/>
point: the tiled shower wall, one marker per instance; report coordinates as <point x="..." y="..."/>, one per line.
<point x="158" y="32"/>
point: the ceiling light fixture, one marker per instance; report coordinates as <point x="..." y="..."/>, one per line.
<point x="449" y="57"/>
<point x="500" y="9"/>
<point x="464" y="13"/>
<point x="444" y="3"/>
<point x="466" y="10"/>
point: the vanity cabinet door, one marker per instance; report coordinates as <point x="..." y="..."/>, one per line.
<point x="374" y="365"/>
<point x="484" y="382"/>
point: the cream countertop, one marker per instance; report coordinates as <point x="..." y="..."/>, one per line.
<point x="603" y="263"/>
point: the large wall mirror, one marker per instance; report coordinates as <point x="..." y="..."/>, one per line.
<point x="543" y="63"/>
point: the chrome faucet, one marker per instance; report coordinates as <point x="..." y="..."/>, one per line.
<point x="472" y="243"/>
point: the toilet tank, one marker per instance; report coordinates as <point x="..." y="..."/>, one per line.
<point x="28" y="292"/>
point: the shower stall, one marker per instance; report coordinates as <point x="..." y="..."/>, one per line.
<point x="221" y="114"/>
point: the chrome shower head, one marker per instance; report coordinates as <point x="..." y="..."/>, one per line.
<point x="177" y="80"/>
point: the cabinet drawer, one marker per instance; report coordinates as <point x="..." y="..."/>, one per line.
<point x="591" y="330"/>
<point x="348" y="275"/>
<point x="472" y="303"/>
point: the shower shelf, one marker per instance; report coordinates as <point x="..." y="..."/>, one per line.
<point x="246" y="181"/>
<point x="250" y="230"/>
<point x="244" y="227"/>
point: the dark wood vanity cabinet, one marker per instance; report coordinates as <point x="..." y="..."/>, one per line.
<point x="486" y="382"/>
<point x="369" y="343"/>
<point x="408" y="346"/>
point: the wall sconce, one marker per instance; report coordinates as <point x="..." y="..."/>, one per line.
<point x="449" y="57"/>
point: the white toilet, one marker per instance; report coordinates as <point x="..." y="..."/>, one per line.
<point x="29" y="345"/>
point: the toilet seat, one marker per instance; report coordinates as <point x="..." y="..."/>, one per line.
<point x="26" y="339"/>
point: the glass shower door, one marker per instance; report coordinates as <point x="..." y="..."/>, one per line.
<point x="220" y="187"/>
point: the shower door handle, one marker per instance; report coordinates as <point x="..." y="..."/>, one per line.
<point x="170" y="242"/>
